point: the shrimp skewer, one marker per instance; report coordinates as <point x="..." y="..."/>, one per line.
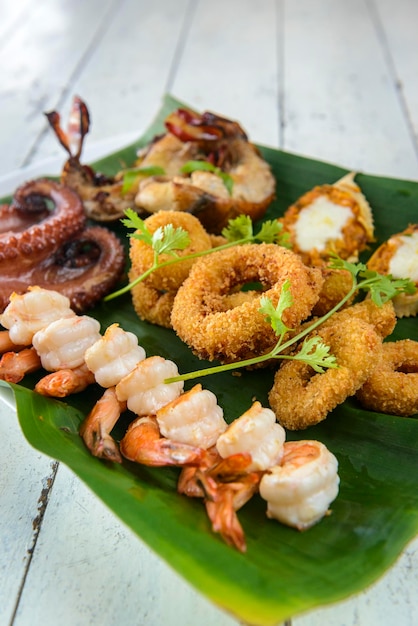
<point x="109" y="360"/>
<point x="300" y="489"/>
<point x="28" y="313"/>
<point x="180" y="432"/>
<point x="144" y="444"/>
<point x="61" y="347"/>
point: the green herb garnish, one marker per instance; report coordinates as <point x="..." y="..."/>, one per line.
<point x="168" y="240"/>
<point x="313" y="351"/>
<point x="206" y="166"/>
<point x="130" y="176"/>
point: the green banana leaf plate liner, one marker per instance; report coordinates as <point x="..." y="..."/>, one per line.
<point x="284" y="572"/>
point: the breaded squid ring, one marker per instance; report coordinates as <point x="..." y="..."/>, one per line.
<point x="142" y="255"/>
<point x="153" y="297"/>
<point x="199" y="316"/>
<point x="337" y="284"/>
<point x="392" y="387"/>
<point x="300" y="397"/>
<point x="152" y="305"/>
<point x="382" y="318"/>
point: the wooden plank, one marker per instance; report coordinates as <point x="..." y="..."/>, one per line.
<point x="127" y="73"/>
<point x="24" y="482"/>
<point x="229" y="64"/>
<point x="89" y="569"/>
<point x="397" y="30"/>
<point x="392" y="600"/>
<point x="340" y="101"/>
<point x="37" y="64"/>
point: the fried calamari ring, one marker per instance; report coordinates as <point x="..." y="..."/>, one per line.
<point x="199" y="316"/>
<point x="392" y="387"/>
<point x="337" y="283"/>
<point x="153" y="297"/>
<point x="142" y="255"/>
<point x="300" y="397"/>
<point x="382" y="318"/>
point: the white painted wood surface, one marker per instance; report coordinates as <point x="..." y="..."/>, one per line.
<point x="329" y="79"/>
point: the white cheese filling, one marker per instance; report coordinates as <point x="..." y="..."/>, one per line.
<point x="404" y="263"/>
<point x="320" y="222"/>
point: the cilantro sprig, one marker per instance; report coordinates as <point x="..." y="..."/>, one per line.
<point x="313" y="351"/>
<point x="206" y="166"/>
<point x="131" y="175"/>
<point x="169" y="240"/>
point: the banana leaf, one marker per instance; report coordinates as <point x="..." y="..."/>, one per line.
<point x="284" y="572"/>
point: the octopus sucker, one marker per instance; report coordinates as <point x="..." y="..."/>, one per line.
<point x="44" y="241"/>
<point x="30" y="229"/>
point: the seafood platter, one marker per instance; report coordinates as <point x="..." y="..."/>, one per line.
<point x="220" y="340"/>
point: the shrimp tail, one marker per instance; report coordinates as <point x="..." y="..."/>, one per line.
<point x="143" y="444"/>
<point x="15" y="365"/>
<point x="6" y="344"/>
<point x="65" y="382"/>
<point x="222" y="515"/>
<point x="95" y="429"/>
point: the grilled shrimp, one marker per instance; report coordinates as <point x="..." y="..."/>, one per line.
<point x="219" y="143"/>
<point x="301" y="487"/>
<point x="30" y="312"/>
<point x="102" y="196"/>
<point x="144" y="444"/>
<point x="256" y="432"/>
<point x="113" y="356"/>
<point x="61" y="347"/>
<point x="194" y="418"/>
<point x="144" y="389"/>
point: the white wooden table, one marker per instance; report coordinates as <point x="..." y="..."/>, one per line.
<point x="330" y="79"/>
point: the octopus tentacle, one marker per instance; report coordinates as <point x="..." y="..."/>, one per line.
<point x="84" y="269"/>
<point x="44" y="242"/>
<point x="30" y="230"/>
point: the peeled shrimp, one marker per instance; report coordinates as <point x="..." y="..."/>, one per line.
<point x="256" y="432"/>
<point x="144" y="389"/>
<point x="61" y="347"/>
<point x="62" y="343"/>
<point x="30" y="312"/>
<point x="301" y="487"/>
<point x="194" y="418"/>
<point x="113" y="356"/>
<point x="144" y="444"/>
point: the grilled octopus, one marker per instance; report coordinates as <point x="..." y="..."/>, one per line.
<point x="44" y="241"/>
